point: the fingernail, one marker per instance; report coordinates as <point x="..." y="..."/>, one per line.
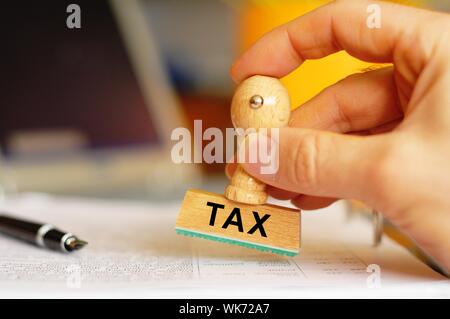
<point x="233" y="73"/>
<point x="228" y="171"/>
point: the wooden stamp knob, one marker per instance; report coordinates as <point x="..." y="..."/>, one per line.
<point x="259" y="102"/>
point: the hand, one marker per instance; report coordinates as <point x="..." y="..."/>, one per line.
<point x="382" y="137"/>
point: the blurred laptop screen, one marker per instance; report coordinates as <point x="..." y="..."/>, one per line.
<point x="67" y="89"/>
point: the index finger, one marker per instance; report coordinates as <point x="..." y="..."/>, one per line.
<point x="340" y="25"/>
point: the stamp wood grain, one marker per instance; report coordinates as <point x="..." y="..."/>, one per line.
<point x="282" y="228"/>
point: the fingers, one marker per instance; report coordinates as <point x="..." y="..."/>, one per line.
<point x="340" y="25"/>
<point x="280" y="194"/>
<point x="364" y="104"/>
<point x="277" y="193"/>
<point x="384" y="128"/>
<point x="306" y="202"/>
<point x="359" y="102"/>
<point x="321" y="163"/>
<point x="301" y="201"/>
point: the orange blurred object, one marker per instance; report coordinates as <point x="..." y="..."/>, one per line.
<point x="258" y="17"/>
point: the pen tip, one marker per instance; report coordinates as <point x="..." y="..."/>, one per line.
<point x="76" y="244"/>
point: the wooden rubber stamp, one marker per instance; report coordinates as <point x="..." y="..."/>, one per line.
<point x="240" y="216"/>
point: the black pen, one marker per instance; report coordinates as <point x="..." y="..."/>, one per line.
<point x="44" y="235"/>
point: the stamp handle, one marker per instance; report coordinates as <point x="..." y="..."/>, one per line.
<point x="259" y="102"/>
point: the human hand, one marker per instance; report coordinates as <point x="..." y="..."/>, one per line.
<point x="382" y="137"/>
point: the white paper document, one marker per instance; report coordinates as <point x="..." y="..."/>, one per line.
<point x="133" y="251"/>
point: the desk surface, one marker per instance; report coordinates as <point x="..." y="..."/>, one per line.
<point x="134" y="252"/>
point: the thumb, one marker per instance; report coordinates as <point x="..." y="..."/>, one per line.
<point x="319" y="163"/>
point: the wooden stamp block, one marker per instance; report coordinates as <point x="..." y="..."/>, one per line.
<point x="264" y="227"/>
<point x="241" y="216"/>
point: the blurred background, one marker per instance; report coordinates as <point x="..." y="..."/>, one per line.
<point x="89" y="111"/>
